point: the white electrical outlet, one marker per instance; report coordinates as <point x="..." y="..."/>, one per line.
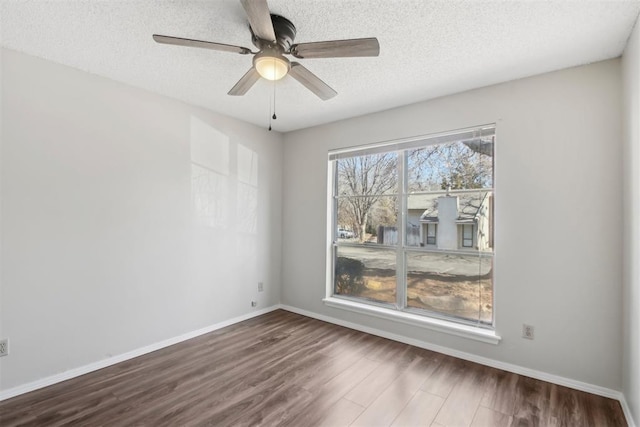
<point x="260" y="287"/>
<point x="254" y="303"/>
<point x="527" y="331"/>
<point x="4" y="347"/>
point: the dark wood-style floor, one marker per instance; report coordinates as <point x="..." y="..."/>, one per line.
<point x="289" y="370"/>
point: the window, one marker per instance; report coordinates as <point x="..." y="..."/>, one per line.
<point x="432" y="229"/>
<point x="419" y="215"/>
<point x="467" y="235"/>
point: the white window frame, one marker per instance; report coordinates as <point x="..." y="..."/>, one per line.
<point x="484" y="333"/>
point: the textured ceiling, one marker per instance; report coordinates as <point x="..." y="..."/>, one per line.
<point x="427" y="48"/>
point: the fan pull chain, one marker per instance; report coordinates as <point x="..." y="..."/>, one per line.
<point x="270" y="105"/>
<point x="274" y="117"/>
<point x="274" y="99"/>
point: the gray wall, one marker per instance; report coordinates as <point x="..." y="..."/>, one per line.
<point x="109" y="242"/>
<point x="631" y="185"/>
<point x="558" y="201"/>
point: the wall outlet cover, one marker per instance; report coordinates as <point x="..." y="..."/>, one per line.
<point x="527" y="331"/>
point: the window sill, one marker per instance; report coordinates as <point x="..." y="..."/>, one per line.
<point x="451" y="328"/>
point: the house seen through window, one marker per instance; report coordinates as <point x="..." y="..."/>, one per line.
<point x="413" y="226"/>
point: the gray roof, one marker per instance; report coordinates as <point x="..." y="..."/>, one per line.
<point x="468" y="205"/>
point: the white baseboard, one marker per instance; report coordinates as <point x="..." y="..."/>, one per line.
<point x="555" y="379"/>
<point x="67" y="375"/>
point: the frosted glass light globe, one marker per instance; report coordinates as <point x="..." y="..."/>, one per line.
<point x="271" y="67"/>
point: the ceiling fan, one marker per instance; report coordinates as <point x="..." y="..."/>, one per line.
<point x="273" y="35"/>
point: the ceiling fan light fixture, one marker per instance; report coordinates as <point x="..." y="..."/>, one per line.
<point x="274" y="37"/>
<point x="271" y="66"/>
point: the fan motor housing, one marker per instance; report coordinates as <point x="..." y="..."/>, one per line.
<point x="285" y="34"/>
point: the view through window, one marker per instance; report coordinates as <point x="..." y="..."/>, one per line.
<point x="413" y="225"/>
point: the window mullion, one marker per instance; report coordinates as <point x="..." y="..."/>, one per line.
<point x="401" y="277"/>
<point x="334" y="201"/>
<point x="333" y="250"/>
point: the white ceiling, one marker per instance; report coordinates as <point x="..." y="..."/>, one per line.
<point x="427" y="48"/>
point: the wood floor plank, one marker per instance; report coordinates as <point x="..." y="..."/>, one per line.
<point x="331" y="392"/>
<point x="261" y="407"/>
<point x="370" y="388"/>
<point x="96" y="408"/>
<point x="501" y="391"/>
<point x="445" y="376"/>
<point x="284" y="369"/>
<point x="462" y="403"/>
<point x="344" y="340"/>
<point x="393" y="400"/>
<point x="532" y="403"/>
<point x="337" y="364"/>
<point x="420" y="411"/>
<point x="573" y="407"/>
<point x="395" y="361"/>
<point x="239" y="387"/>
<point x="486" y="417"/>
<point x="342" y="413"/>
<point x="601" y="411"/>
<point x="388" y="350"/>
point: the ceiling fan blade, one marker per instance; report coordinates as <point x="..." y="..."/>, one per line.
<point x="259" y="19"/>
<point x="311" y="81"/>
<point x="337" y="48"/>
<point x="199" y="43"/>
<point x="245" y="83"/>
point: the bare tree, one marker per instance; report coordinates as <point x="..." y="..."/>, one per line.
<point x="458" y="165"/>
<point x="468" y="165"/>
<point x="365" y="180"/>
<point x="365" y="183"/>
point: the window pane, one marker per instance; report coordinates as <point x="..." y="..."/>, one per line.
<point x="456" y="165"/>
<point x="368" y="273"/>
<point x="450" y="221"/>
<point x="366" y="198"/>
<point x="451" y="284"/>
<point x="377" y="226"/>
<point x="431" y="233"/>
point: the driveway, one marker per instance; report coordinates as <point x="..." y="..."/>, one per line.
<point x="453" y="263"/>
